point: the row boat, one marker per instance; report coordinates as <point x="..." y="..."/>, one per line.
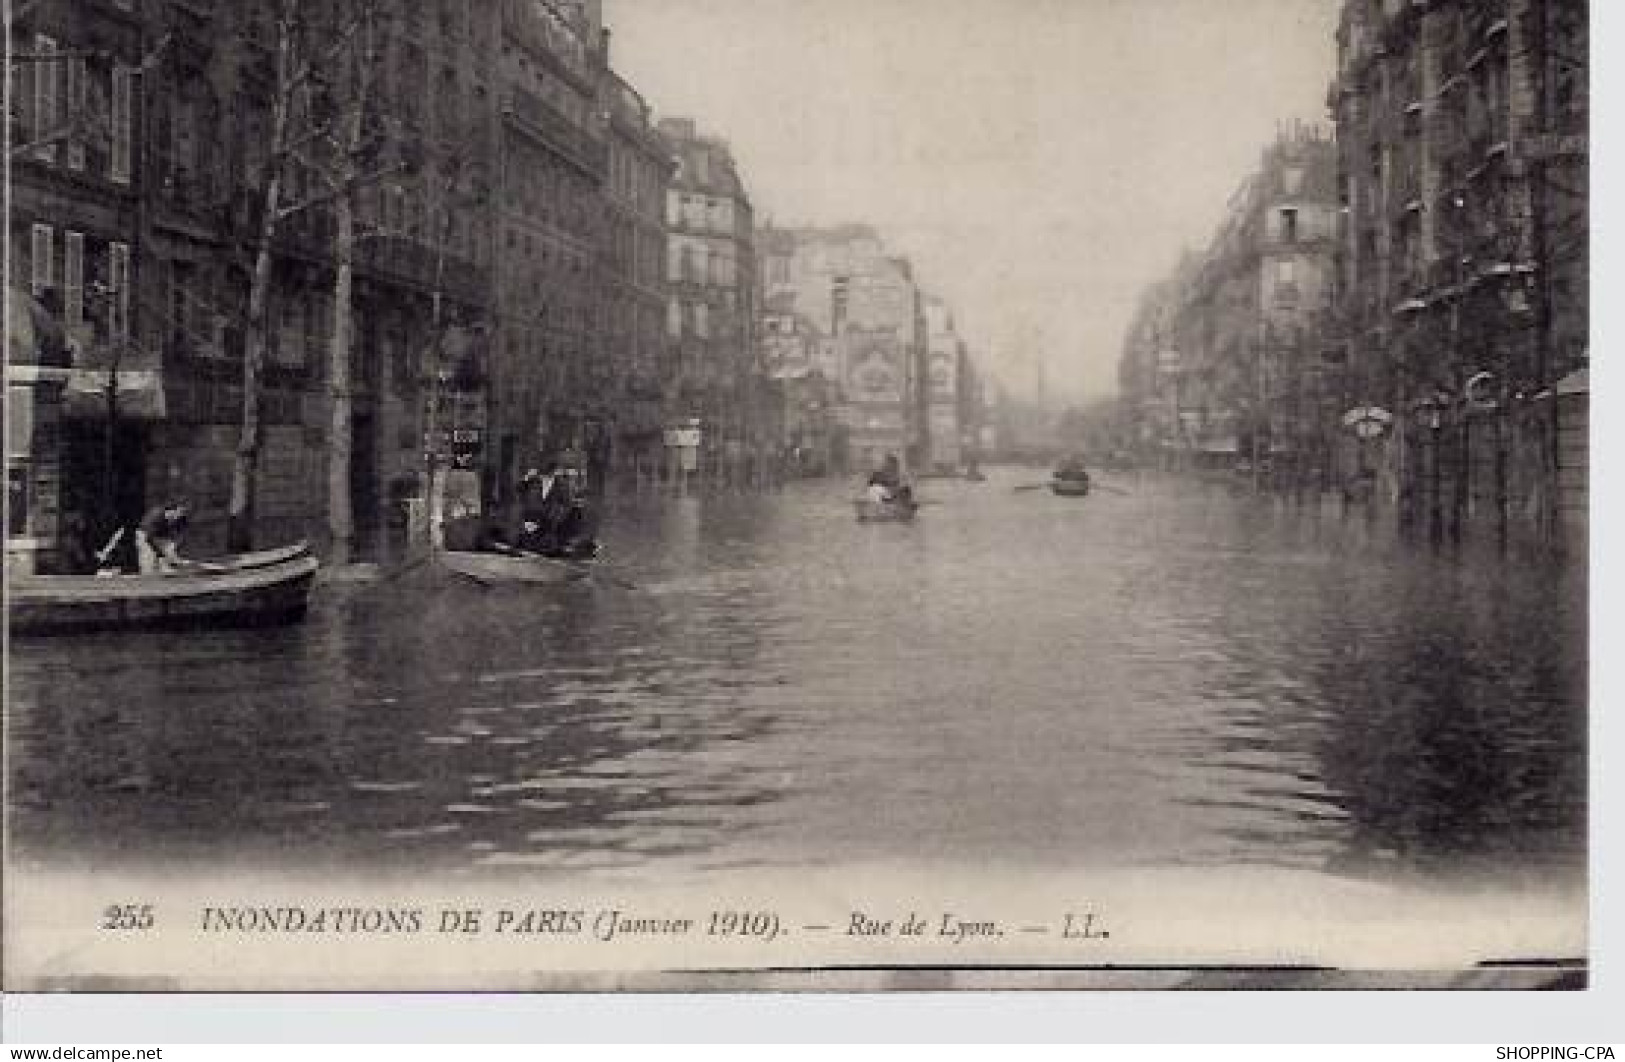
<point x="872" y="512"/>
<point x="1070" y="488"/>
<point x="249" y="589"/>
<point x="529" y="568"/>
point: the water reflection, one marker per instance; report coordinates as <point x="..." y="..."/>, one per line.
<point x="1159" y="677"/>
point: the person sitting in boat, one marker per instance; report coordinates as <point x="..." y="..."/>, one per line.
<point x="552" y="519"/>
<point x="158" y="538"/>
<point x="1072" y="469"/>
<point x="572" y="531"/>
<point x="891" y="472"/>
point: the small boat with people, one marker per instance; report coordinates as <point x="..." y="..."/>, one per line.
<point x="1077" y="487"/>
<point x="261" y="588"/>
<point x="1071" y="479"/>
<point x="547" y="539"/>
<point x="887" y="498"/>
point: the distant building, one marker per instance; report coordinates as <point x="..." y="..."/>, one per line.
<point x="1224" y="363"/>
<point x="714" y="372"/>
<point x="866" y="305"/>
<point x="813" y="439"/>
<point x="640" y="166"/>
<point x="950" y="388"/>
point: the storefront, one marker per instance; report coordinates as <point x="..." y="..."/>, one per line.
<point x="37" y="371"/>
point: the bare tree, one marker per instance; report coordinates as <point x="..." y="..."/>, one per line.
<point x="303" y="51"/>
<point x="346" y="158"/>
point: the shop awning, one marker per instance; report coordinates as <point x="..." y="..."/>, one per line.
<point x="1575" y="383"/>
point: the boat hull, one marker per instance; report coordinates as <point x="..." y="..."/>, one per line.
<point x="873" y="512"/>
<point x="1069" y="488"/>
<point x="501" y="568"/>
<point x="264" y="589"/>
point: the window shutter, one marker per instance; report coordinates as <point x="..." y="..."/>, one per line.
<point x="120" y="164"/>
<point x="39" y="258"/>
<point x="118" y="281"/>
<point x="73" y="278"/>
<point x="45" y="109"/>
<point x="76" y="111"/>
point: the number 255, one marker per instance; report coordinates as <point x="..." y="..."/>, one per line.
<point x="128" y="916"/>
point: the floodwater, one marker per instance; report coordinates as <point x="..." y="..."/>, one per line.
<point x="1161" y="674"/>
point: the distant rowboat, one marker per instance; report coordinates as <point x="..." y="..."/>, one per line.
<point x="250" y="589"/>
<point x="1070" y="488"/>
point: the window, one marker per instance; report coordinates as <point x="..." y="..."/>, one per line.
<point x="118" y="284"/>
<point x="76" y="111"/>
<point x="290" y="333"/>
<point x="16" y="493"/>
<point x="45" y="99"/>
<point x="1292" y="180"/>
<point x="702" y="320"/>
<point x="674" y="319"/>
<point x="119" y="168"/>
<point x="183" y="148"/>
<point x="1289" y="225"/>
<point x="40" y="257"/>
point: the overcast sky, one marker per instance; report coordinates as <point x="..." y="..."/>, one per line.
<point x="1041" y="161"/>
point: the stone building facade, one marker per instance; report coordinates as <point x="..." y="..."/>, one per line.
<point x="77" y="178"/>
<point x="549" y="392"/>
<point x="148" y="247"/>
<point x="508" y="260"/>
<point x="864" y="302"/>
<point x="715" y="370"/>
<point x="1462" y="294"/>
<point x="640" y="166"/>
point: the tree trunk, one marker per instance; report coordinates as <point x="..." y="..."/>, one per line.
<point x="340" y="519"/>
<point x="245" y="463"/>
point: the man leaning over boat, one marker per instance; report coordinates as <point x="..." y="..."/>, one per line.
<point x="152" y="547"/>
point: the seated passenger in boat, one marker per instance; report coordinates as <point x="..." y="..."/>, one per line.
<point x="158" y="538"/>
<point x="1072" y="469"/>
<point x="552" y="520"/>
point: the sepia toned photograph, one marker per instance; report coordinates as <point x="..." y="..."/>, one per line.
<point x="796" y="495"/>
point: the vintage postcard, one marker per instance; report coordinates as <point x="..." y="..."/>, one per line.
<point x="510" y="495"/>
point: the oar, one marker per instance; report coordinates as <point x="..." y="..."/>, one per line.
<point x="1031" y="486"/>
<point x="400" y="570"/>
<point x="1115" y="490"/>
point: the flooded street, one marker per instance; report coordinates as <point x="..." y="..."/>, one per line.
<point x="1158" y="675"/>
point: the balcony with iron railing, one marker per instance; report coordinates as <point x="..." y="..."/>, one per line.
<point x="533" y="115"/>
